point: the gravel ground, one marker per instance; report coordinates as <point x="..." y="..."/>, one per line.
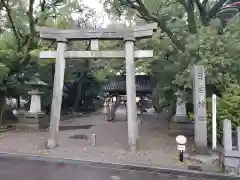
<point x="156" y="147"/>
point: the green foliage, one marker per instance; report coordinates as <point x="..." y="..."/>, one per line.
<point x="3" y="72"/>
<point x="20" y="45"/>
<point x="186" y="36"/>
<point x="227" y="108"/>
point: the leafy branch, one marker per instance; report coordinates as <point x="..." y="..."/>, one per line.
<point x="189" y="6"/>
<point x="144" y="13"/>
<point x="9" y="14"/>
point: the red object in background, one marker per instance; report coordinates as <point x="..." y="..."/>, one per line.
<point x="235" y="4"/>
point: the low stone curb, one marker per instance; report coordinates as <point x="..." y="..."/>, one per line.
<point x="8" y="129"/>
<point x="157" y="170"/>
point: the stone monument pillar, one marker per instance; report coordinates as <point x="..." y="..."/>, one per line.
<point x="180" y="123"/>
<point x="200" y="117"/>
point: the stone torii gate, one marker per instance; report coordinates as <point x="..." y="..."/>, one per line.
<point x="94" y="35"/>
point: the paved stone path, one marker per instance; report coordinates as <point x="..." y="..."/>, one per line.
<point x="156" y="147"/>
<point x="13" y="169"/>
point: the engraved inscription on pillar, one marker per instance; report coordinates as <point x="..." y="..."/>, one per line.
<point x="200" y="94"/>
<point x="201" y="106"/>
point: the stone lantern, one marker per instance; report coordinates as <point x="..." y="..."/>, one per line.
<point x="180" y="122"/>
<point x="35" y="116"/>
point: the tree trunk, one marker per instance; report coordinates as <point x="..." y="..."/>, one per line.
<point x="113" y="108"/>
<point x="110" y="110"/>
<point x="79" y="91"/>
<point x="78" y="96"/>
<point x="53" y="71"/>
<point x="141" y="105"/>
<point x="2" y="107"/>
<point x="18" y="102"/>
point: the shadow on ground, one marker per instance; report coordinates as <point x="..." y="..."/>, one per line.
<point x="79" y="136"/>
<point x="66" y="128"/>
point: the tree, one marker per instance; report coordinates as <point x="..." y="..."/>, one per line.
<point x="186" y="36"/>
<point x="19" y="41"/>
<point x="164" y="11"/>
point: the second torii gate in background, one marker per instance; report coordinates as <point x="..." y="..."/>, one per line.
<point x="94" y="35"/>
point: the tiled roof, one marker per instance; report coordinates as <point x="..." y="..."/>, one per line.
<point x="117" y="84"/>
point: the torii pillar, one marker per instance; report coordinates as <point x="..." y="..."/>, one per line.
<point x="131" y="93"/>
<point x="57" y="92"/>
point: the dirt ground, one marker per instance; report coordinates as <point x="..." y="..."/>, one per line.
<point x="156" y="147"/>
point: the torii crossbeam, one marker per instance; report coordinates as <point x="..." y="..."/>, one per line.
<point x="96" y="54"/>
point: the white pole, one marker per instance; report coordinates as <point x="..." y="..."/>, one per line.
<point x="214" y="122"/>
<point x="93" y="139"/>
